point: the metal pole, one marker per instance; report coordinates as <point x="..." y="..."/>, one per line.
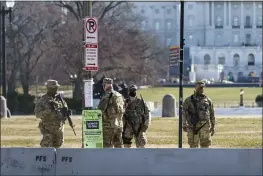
<point x="87" y="77"/>
<point x="181" y="62"/>
<point x="36" y="86"/>
<point x="3" y="54"/>
<point x="1" y="68"/>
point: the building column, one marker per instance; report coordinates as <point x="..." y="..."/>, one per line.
<point x="254" y="15"/>
<point x="213" y="14"/>
<point x="178" y="14"/>
<point x="242" y="15"/>
<point x="207" y="13"/>
<point x="178" y="7"/>
<point x="225" y="17"/>
<point x="229" y="14"/>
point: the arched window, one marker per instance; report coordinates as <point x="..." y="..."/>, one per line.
<point x="251" y="59"/>
<point x="248" y="21"/>
<point x="221" y="60"/>
<point x="236" y="59"/>
<point x="207" y="59"/>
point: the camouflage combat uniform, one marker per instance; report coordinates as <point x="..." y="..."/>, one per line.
<point x="206" y="122"/>
<point x="112" y="107"/>
<point x="136" y="120"/>
<point x="52" y="121"/>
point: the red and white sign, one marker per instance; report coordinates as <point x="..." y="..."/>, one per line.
<point x="91" y="30"/>
<point x="91" y="57"/>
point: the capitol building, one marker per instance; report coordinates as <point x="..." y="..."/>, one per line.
<point x="221" y="38"/>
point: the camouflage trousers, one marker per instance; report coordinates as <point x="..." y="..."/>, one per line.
<point x="203" y="136"/>
<point x="112" y="137"/>
<point x="128" y="134"/>
<point x="52" y="136"/>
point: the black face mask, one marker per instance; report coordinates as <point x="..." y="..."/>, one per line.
<point x="52" y="91"/>
<point x="132" y="94"/>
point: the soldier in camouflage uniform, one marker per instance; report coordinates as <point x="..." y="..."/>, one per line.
<point x="137" y="119"/>
<point x="112" y="107"/>
<point x="52" y="122"/>
<point x="199" y="118"/>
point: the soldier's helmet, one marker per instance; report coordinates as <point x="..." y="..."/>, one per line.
<point x="52" y="84"/>
<point x="133" y="87"/>
<point x="200" y="83"/>
<point x="107" y="81"/>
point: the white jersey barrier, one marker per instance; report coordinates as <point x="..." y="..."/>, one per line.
<point x="28" y="161"/>
<point x="39" y="161"/>
<point x="159" y="162"/>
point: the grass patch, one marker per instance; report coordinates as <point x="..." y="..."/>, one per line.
<point x="230" y="94"/>
<point x="156" y="94"/>
<point x="230" y="133"/>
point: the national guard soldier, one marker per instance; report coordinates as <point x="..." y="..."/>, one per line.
<point x="112" y="107"/>
<point x="48" y="110"/>
<point x="136" y="119"/>
<point x="199" y="118"/>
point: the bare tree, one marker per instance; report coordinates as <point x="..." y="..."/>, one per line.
<point x="28" y="40"/>
<point x="100" y="9"/>
<point x="123" y="48"/>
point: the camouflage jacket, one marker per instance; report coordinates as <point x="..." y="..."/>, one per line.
<point x="204" y="107"/>
<point x="46" y="109"/>
<point x="112" y="107"/>
<point x="137" y="112"/>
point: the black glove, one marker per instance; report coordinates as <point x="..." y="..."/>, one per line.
<point x="69" y="112"/>
<point x="60" y="115"/>
<point x="185" y="128"/>
<point x="66" y="111"/>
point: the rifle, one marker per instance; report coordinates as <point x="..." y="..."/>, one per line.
<point x="195" y="117"/>
<point x="108" y="103"/>
<point x="65" y="113"/>
<point x="143" y="118"/>
<point x="128" y="121"/>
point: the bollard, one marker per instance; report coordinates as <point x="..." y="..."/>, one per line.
<point x="3" y="113"/>
<point x="169" y="106"/>
<point x="241" y="102"/>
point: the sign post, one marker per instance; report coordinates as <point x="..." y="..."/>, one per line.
<point x="92" y="129"/>
<point x="181" y="64"/>
<point x="90" y="40"/>
<point x="91" y="44"/>
<point x="174" y="56"/>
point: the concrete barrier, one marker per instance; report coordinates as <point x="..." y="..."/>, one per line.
<point x="3" y="107"/>
<point x="28" y="161"/>
<point x="169" y="106"/>
<point x="159" y="162"/>
<point x="45" y="161"/>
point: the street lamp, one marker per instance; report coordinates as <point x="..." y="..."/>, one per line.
<point x="73" y="78"/>
<point x="9" y="4"/>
